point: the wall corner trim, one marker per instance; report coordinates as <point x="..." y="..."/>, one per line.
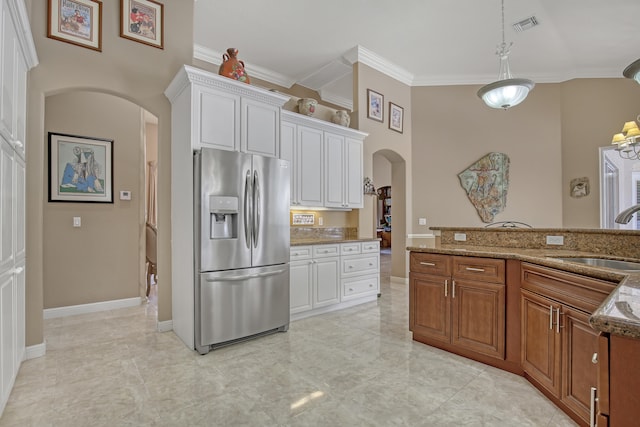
<point x="165" y="326"/>
<point x="35" y="351"/>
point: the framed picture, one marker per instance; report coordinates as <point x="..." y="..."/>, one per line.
<point x="396" y="117"/>
<point x="375" y="105"/>
<point x="80" y="169"/>
<point x="77" y="22"/>
<point x="142" y="21"/>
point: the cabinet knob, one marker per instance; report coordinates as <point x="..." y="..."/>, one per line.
<point x="371" y="264"/>
<point x="350" y="289"/>
<point x="351" y="266"/>
<point x="18" y="144"/>
<point x="371" y="285"/>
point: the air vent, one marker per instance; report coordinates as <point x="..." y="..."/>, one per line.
<point x="526" y="24"/>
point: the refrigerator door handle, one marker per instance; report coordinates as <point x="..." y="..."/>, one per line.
<point x="245" y="276"/>
<point x="248" y="207"/>
<point x="256" y="209"/>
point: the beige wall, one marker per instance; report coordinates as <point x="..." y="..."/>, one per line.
<point x="453" y="128"/>
<point x="396" y="147"/>
<point x="124" y="68"/>
<point x="592" y="111"/>
<point x="100" y="260"/>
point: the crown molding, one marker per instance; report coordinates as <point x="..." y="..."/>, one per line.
<point x="377" y="62"/>
<point x="336" y="99"/>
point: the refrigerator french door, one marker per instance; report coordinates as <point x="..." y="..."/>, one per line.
<point x="242" y="246"/>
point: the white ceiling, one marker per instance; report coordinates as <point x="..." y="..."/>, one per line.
<point x="419" y="42"/>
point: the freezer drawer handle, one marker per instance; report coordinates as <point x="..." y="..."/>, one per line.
<point x="246" y="276"/>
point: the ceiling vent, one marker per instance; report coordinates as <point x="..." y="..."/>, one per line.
<point x="526" y="24"/>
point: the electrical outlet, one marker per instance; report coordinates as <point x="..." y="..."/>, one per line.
<point x="320" y="221"/>
<point x="422" y="221"/>
<point x="77" y="221"/>
<point x="555" y="240"/>
<point x="460" y="237"/>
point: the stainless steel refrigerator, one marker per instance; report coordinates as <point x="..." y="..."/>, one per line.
<point x="242" y="247"/>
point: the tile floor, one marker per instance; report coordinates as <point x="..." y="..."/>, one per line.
<point x="356" y="367"/>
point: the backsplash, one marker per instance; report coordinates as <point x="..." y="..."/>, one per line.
<point x="624" y="243"/>
<point x="317" y="233"/>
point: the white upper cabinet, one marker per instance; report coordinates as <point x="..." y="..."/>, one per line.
<point x="326" y="162"/>
<point x="219" y="112"/>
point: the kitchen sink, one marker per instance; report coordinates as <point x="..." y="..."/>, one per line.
<point x="607" y="263"/>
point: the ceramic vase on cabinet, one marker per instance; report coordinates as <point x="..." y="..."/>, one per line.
<point x="341" y="117"/>
<point x="232" y="67"/>
<point x="307" y="106"/>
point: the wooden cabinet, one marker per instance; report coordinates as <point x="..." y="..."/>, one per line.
<point x="17" y="56"/>
<point x="559" y="346"/>
<point x="326" y="162"/>
<point x="329" y="277"/>
<point x="458" y="301"/>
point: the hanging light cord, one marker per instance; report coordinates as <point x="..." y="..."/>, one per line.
<point x="503" y="50"/>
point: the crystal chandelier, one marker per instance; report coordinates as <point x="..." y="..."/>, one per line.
<point x="628" y="141"/>
<point x="507" y="91"/>
<point x="633" y="71"/>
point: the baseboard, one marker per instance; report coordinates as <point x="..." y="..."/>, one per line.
<point x="334" y="307"/>
<point x="165" y="326"/>
<point x="401" y="280"/>
<point x="34" y="351"/>
<point x="52" y="313"/>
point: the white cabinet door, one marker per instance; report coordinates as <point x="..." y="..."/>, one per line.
<point x="288" y="152"/>
<point x="334" y="170"/>
<point x="260" y="128"/>
<point x="21" y="104"/>
<point x="310" y="166"/>
<point x="20" y="208"/>
<point x="8" y="49"/>
<point x="7" y="207"/>
<point x="353" y="173"/>
<point x="7" y="331"/>
<point x="301" y="289"/>
<point x="20" y="319"/>
<point x="216" y="119"/>
<point x="327" y="283"/>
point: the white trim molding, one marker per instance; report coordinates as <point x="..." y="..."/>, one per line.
<point x="35" y="351"/>
<point x="400" y="280"/>
<point x="165" y="326"/>
<point x="52" y="313"/>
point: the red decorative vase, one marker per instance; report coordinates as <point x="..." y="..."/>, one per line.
<point x="232" y="67"/>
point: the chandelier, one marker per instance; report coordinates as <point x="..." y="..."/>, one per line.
<point x="628" y="141"/>
<point x="507" y="91"/>
<point x="633" y="71"/>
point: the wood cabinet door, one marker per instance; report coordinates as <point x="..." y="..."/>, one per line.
<point x="579" y="373"/>
<point x="478" y="316"/>
<point x="431" y="307"/>
<point x="540" y="343"/>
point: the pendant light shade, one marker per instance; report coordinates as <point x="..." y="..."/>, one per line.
<point x="507" y="92"/>
<point x="633" y="71"/>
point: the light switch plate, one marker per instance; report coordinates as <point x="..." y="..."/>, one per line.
<point x="422" y="221"/>
<point x="555" y="240"/>
<point x="125" y="195"/>
<point x="460" y="237"/>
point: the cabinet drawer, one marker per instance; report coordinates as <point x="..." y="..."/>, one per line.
<point x="370" y="246"/>
<point x="350" y="248"/>
<point x="436" y="264"/>
<point x="320" y="251"/>
<point x="360" y="286"/>
<point x="481" y="269"/>
<point x="359" y="265"/>
<point x="300" y="252"/>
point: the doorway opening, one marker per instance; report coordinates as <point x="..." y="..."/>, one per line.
<point x="619" y="188"/>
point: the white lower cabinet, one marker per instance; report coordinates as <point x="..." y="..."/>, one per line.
<point x="329" y="277"/>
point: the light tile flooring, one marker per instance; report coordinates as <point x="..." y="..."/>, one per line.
<point x="356" y="367"/>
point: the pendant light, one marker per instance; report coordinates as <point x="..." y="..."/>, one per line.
<point x="633" y="71"/>
<point x="507" y="91"/>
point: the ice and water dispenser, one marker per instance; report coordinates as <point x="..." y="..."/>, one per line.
<point x="223" y="217"/>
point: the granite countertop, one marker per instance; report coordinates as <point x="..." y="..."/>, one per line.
<point x="619" y="313"/>
<point x="327" y="240"/>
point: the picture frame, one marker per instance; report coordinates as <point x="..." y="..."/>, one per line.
<point x="396" y="117"/>
<point x="375" y="105"/>
<point x="142" y="21"/>
<point x="80" y="169"/>
<point x="78" y="22"/>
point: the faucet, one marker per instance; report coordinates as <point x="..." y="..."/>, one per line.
<point x="625" y="216"/>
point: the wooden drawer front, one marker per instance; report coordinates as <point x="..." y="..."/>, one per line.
<point x="350" y="248"/>
<point x="584" y="293"/>
<point x="359" y="265"/>
<point x="480" y="269"/>
<point x="300" y="252"/>
<point x="370" y="247"/>
<point x="358" y="287"/>
<point x="436" y="264"/>
<point x="320" y="251"/>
